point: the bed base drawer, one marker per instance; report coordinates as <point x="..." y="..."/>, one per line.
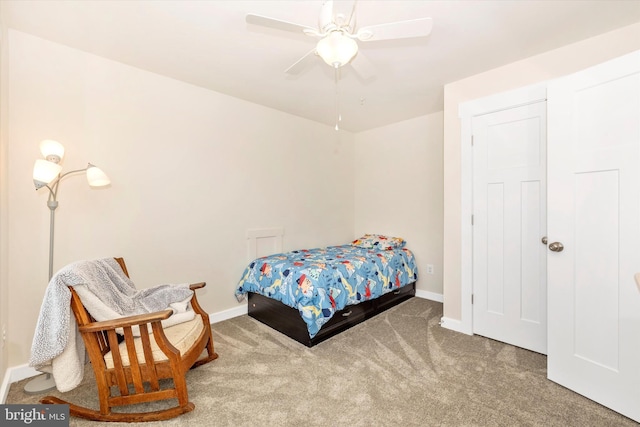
<point x="287" y="320"/>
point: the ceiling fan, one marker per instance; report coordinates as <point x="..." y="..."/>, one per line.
<point x="339" y="35"/>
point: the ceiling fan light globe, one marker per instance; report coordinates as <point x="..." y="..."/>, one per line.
<point x="336" y="49"/>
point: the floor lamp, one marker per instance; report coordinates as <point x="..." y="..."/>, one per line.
<point x="47" y="173"/>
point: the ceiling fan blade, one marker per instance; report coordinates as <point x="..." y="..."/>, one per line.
<point x="362" y="66"/>
<point x="301" y="63"/>
<point x="344" y="14"/>
<point x="326" y="15"/>
<point x="278" y="24"/>
<point x="420" y="27"/>
<point x="351" y="24"/>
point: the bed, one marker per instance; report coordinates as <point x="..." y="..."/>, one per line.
<point x="311" y="295"/>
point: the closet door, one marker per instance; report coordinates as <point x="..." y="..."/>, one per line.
<point x="509" y="215"/>
<point x="594" y="233"/>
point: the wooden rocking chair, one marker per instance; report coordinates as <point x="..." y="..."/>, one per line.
<point x="135" y="366"/>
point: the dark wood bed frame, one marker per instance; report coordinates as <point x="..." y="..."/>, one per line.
<point x="288" y="321"/>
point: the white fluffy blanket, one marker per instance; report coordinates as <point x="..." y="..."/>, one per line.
<point x="57" y="346"/>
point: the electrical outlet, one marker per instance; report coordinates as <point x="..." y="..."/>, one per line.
<point x="430" y="268"/>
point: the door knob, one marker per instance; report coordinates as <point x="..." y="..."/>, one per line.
<point x="556" y="247"/>
<point x="544" y="240"/>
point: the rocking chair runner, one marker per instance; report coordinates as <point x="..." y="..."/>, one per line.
<point x="167" y="353"/>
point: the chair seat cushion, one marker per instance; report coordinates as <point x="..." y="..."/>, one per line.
<point x="183" y="336"/>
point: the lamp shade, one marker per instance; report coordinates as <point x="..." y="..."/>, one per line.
<point x="52" y="150"/>
<point x="44" y="172"/>
<point x="336" y="49"/>
<point x="96" y="177"/>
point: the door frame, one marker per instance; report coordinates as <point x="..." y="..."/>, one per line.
<point x="466" y="111"/>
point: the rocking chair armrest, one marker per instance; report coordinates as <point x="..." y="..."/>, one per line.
<point x="194" y="300"/>
<point x="195" y="286"/>
<point x="139" y="319"/>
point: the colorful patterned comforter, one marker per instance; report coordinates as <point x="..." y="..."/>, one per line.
<point x="319" y="282"/>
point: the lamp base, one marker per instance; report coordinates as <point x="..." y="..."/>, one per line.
<point x="40" y="384"/>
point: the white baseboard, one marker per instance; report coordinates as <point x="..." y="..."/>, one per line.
<point x="13" y="375"/>
<point x="445" y="322"/>
<point x="228" y="314"/>
<point x="432" y="296"/>
<point x="454" y="325"/>
<point x="4" y="389"/>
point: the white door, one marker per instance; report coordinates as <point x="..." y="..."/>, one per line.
<point x="509" y="221"/>
<point x="594" y="212"/>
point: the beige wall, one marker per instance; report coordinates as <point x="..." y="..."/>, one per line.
<point x="192" y="170"/>
<point x="398" y="189"/>
<point x="539" y="68"/>
<point x="4" y="300"/>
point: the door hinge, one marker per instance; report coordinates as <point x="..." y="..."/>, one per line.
<point x="471" y="299"/>
<point x="472" y="140"/>
<point x="471" y="219"/>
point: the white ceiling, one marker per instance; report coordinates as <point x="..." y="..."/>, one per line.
<point x="209" y="44"/>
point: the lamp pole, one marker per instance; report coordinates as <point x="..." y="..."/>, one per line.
<point x="52" y="204"/>
<point x="44" y="177"/>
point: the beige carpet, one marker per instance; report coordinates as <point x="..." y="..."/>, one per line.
<point x="397" y="369"/>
